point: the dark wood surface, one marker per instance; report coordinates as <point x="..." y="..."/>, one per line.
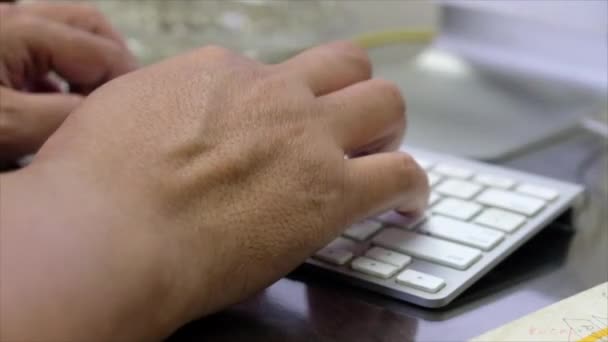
<point x="563" y="259"/>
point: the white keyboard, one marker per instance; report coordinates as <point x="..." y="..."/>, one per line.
<point x="478" y="214"/>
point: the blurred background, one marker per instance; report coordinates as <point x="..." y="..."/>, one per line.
<point x="483" y="79"/>
<point x="268" y="30"/>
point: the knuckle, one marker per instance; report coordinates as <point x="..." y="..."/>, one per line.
<point x="261" y="83"/>
<point x="86" y="16"/>
<point x="354" y="54"/>
<point x="405" y="162"/>
<point x="353" y="50"/>
<point x="216" y="52"/>
<point x="393" y="95"/>
<point x="407" y="170"/>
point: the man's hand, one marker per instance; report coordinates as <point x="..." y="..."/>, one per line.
<point x="184" y="187"/>
<point x="73" y="41"/>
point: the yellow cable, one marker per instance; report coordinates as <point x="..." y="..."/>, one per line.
<point x="397" y="36"/>
<point x="372" y="40"/>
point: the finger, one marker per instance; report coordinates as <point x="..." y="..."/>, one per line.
<point x="27" y="120"/>
<point x="366" y="117"/>
<point x="384" y="181"/>
<point x="329" y="67"/>
<point x="81" y="58"/>
<point x="80" y="15"/>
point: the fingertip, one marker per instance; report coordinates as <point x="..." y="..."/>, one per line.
<point x="417" y="182"/>
<point x="385" y="181"/>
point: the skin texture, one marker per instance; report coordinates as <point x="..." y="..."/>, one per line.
<point x="179" y="189"/>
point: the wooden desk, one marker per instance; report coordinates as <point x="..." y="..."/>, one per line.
<point x="555" y="264"/>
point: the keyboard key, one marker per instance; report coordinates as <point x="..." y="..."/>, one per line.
<point x="362" y="230"/>
<point x="500" y="219"/>
<point x="388" y="256"/>
<point x="538" y="191"/>
<point x="394" y="218"/>
<point x="433" y="198"/>
<point x="458" y="188"/>
<point x="453" y="171"/>
<point x="425" y="164"/>
<point x="342" y="243"/>
<point x="337" y="252"/>
<point x="421" y="281"/>
<point x="433" y="178"/>
<point x="427" y="248"/>
<point x="456" y="208"/>
<point x="495" y="181"/>
<point x="373" y="267"/>
<point x="334" y="255"/>
<point x="462" y="232"/>
<point x="522" y="204"/>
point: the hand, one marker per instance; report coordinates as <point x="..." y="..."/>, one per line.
<point x="179" y="189"/>
<point x="72" y="40"/>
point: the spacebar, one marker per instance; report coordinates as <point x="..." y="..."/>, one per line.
<point x="428" y="248"/>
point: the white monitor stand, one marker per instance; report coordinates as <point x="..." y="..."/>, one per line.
<point x="460" y="104"/>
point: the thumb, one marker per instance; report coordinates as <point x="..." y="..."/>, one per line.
<point x="27" y="120"/>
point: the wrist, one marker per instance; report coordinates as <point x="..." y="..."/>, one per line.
<point x="70" y="246"/>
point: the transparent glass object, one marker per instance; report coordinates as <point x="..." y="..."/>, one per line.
<point x="262" y="29"/>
